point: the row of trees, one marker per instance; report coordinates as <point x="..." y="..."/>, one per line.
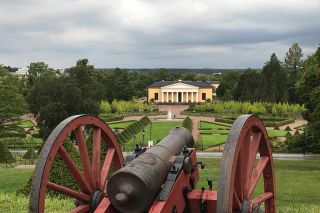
<point x="124" y="107"/>
<point x="260" y="108"/>
<point x="308" y="90"/>
<point x="275" y="83"/>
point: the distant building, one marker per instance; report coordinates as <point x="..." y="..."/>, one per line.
<point x="182" y="91"/>
<point x="21" y="71"/>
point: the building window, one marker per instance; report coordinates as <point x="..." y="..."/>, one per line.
<point x="204" y="96"/>
<point x="156" y="96"/>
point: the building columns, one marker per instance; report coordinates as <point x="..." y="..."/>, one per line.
<point x="187" y="97"/>
<point x="172" y="97"/>
<point x="197" y="98"/>
<point x="167" y="96"/>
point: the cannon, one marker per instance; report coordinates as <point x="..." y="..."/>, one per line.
<point x="162" y="178"/>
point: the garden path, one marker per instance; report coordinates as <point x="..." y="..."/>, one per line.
<point x="294" y="125"/>
<point x="176" y="111"/>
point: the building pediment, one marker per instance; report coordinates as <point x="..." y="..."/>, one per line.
<point x="179" y="86"/>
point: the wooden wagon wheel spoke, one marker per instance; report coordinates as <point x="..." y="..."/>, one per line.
<point x="96" y="153"/>
<point x="254" y="145"/>
<point x="81" y="209"/>
<point x="237" y="203"/>
<point x="89" y="181"/>
<point x="265" y="196"/>
<point x="69" y="192"/>
<point x="242" y="167"/>
<point x="238" y="176"/>
<point x="84" y="185"/>
<point x="81" y="142"/>
<point x="105" y="168"/>
<point x="257" y="173"/>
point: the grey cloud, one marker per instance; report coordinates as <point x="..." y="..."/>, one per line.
<point x="180" y="33"/>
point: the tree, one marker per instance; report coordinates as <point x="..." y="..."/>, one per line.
<point x="12" y="103"/>
<point x="53" y="98"/>
<point x="228" y="85"/>
<point x="247" y="86"/>
<point x="308" y="89"/>
<point x="36" y="70"/>
<point x="274" y="82"/>
<point x="293" y="64"/>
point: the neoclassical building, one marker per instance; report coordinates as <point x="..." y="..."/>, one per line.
<point x="182" y="91"/>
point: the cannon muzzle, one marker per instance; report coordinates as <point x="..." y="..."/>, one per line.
<point x="134" y="187"/>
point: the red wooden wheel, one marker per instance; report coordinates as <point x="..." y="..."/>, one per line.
<point x="92" y="181"/>
<point x="240" y="171"/>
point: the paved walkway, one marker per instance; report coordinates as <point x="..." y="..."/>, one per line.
<point x="294" y="125"/>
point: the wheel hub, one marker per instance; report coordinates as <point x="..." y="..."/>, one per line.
<point x="95" y="200"/>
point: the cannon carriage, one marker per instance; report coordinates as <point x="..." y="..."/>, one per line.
<point x="162" y="178"/>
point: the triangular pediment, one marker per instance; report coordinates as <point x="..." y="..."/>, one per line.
<point x="179" y="85"/>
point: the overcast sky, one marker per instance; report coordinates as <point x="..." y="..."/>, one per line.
<point x="155" y="33"/>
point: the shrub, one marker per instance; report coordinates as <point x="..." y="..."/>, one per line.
<point x="59" y="173"/>
<point x="187" y="123"/>
<point x="128" y="133"/>
<point x="288" y="128"/>
<point x="5" y="154"/>
<point x="30" y="154"/>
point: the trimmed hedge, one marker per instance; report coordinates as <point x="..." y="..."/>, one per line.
<point x="128" y="133"/>
<point x="107" y="118"/>
<point x="269" y="122"/>
<point x="5" y="155"/>
<point x="59" y="172"/>
<point x="187" y="123"/>
<point x="30" y="154"/>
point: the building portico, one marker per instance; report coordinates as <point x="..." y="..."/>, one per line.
<point x="180" y="92"/>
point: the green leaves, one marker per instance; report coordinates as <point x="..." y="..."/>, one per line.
<point x="12" y="103"/>
<point x="187" y="123"/>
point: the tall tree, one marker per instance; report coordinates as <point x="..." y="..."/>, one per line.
<point x="247" y="86"/>
<point x="293" y="63"/>
<point x="12" y="102"/>
<point x="228" y="85"/>
<point x="308" y="89"/>
<point x="53" y="98"/>
<point x="273" y="82"/>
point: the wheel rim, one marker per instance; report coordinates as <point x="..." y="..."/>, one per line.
<point x="239" y="175"/>
<point x="93" y="180"/>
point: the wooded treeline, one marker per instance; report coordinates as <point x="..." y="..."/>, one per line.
<point x="275" y="83"/>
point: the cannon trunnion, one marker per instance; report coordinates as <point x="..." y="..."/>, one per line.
<point x="162" y="178"/>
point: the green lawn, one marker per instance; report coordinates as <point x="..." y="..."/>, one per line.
<point x="120" y="125"/>
<point x="297" y="183"/>
<point x="297" y="186"/>
<point x="212" y="140"/>
<point x="218" y="134"/>
<point x="301" y="127"/>
<point x="210" y="125"/>
<point x="160" y="129"/>
<point x="26" y="124"/>
<point x="276" y="133"/>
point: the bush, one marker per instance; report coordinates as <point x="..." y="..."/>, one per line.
<point x="107" y="118"/>
<point x="5" y="154"/>
<point x="59" y="173"/>
<point x="12" y="130"/>
<point x="187" y="123"/>
<point x="30" y="154"/>
<point x="288" y="128"/>
<point x="128" y="133"/>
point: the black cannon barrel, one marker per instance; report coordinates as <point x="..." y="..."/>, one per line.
<point x="133" y="188"/>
